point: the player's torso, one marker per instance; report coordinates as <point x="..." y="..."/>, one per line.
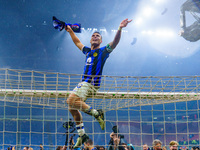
<point x="95" y="60"/>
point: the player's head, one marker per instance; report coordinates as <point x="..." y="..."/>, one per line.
<point x="98" y="33"/>
<point x="96" y="39"/>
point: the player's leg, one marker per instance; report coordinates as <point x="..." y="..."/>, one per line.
<point x="77" y="103"/>
<point x="82" y="91"/>
<point x="77" y="118"/>
<point x="98" y="114"/>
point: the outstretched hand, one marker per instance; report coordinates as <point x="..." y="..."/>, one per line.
<point x="68" y="28"/>
<point x="124" y="23"/>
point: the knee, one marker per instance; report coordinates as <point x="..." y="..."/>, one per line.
<point x="72" y="100"/>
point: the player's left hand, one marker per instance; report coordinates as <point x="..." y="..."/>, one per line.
<point x="124" y="23"/>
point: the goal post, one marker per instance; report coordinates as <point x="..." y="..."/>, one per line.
<point x="33" y="108"/>
<point x="120" y="99"/>
<point x="115" y="92"/>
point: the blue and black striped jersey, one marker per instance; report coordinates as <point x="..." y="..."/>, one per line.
<point x="95" y="60"/>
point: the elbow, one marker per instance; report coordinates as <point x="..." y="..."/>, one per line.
<point x="113" y="47"/>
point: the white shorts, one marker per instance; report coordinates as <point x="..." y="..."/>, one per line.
<point x="83" y="89"/>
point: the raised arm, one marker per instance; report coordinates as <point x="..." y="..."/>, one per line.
<point x="75" y="39"/>
<point x="116" y="40"/>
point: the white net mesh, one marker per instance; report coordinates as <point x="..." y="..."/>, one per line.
<point x="52" y="89"/>
<point x="33" y="108"/>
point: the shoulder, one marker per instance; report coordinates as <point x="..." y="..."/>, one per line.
<point x="86" y="49"/>
<point x="107" y="48"/>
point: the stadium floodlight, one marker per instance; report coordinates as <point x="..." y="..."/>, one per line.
<point x="149" y="32"/>
<point x="164" y="33"/>
<point x="143" y="32"/>
<point x="124" y="30"/>
<point x="159" y="33"/>
<point x="89" y="29"/>
<point x="94" y="29"/>
<point x="114" y="30"/>
<point x="138" y="21"/>
<point x="102" y="29"/>
<point x="147" y="11"/>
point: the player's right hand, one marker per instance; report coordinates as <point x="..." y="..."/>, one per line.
<point x="68" y="28"/>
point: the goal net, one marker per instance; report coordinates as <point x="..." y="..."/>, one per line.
<point x="33" y="108"/>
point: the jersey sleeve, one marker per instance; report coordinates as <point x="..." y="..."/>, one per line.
<point x="108" y="48"/>
<point x="85" y="50"/>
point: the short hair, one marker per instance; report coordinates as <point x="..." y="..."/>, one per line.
<point x="156" y="141"/>
<point x="89" y="141"/>
<point x="98" y="33"/>
<point x="173" y="143"/>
